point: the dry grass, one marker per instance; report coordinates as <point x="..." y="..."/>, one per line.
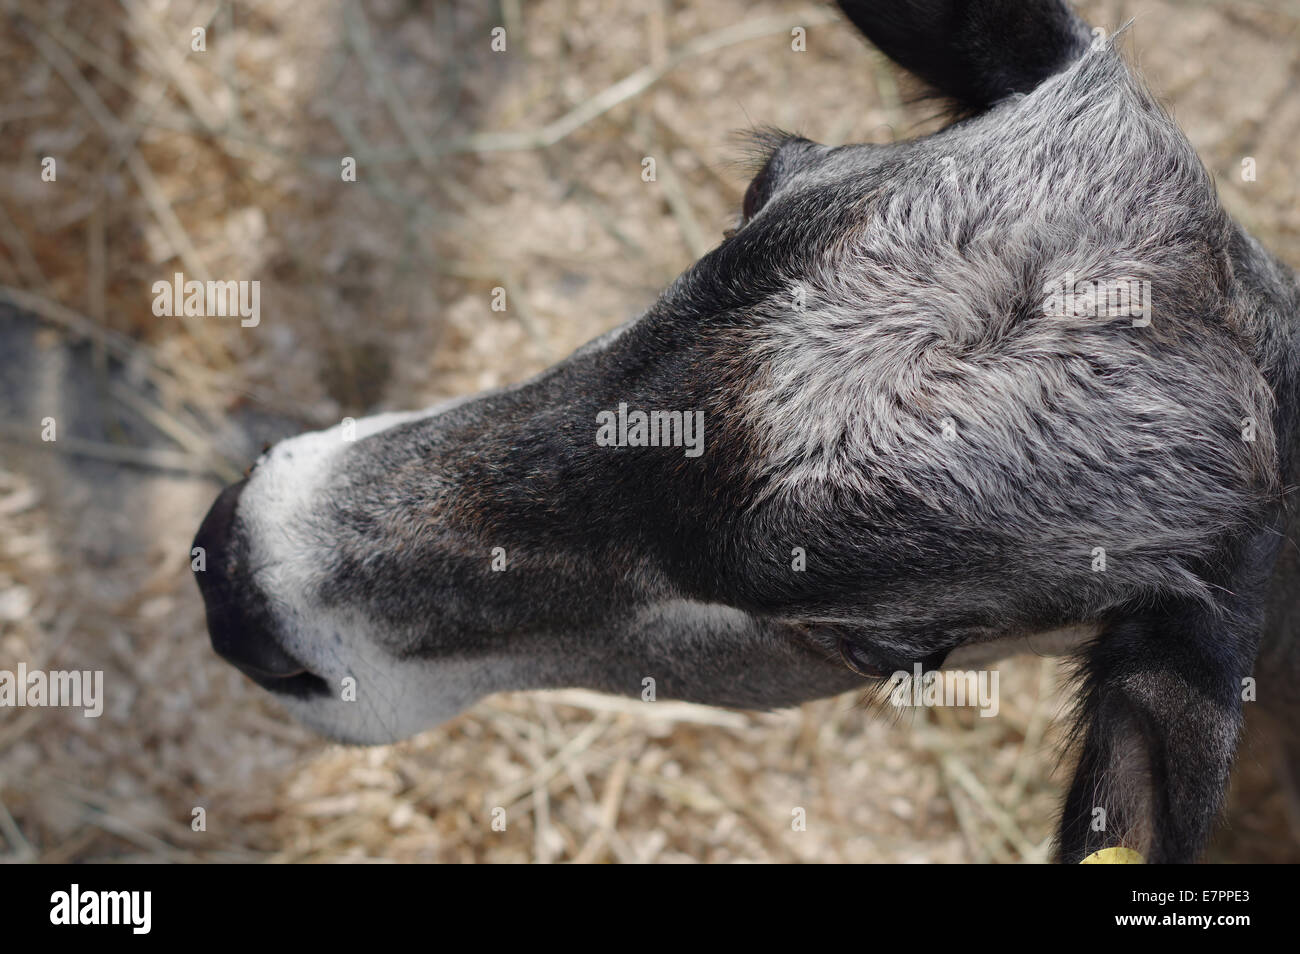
<point x="475" y="170"/>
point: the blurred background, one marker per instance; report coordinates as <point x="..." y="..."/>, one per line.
<point x="475" y="169"/>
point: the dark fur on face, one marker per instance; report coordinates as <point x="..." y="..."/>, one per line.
<point x="886" y="390"/>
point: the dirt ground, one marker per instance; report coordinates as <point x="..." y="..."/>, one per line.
<point x="475" y="170"/>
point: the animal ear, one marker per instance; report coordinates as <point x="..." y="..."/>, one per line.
<point x="1160" y="708"/>
<point x="974" y="51"/>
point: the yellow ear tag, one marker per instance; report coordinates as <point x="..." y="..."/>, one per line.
<point x="1114" y="856"/>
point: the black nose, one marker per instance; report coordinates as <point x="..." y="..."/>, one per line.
<point x="239" y="619"/>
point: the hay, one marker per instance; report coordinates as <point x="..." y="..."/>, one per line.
<point x="475" y="170"/>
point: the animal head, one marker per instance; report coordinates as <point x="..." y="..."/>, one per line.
<point x="887" y="419"/>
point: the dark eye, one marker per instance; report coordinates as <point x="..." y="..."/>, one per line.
<point x="861" y="662"/>
<point x="248" y="471"/>
<point x="756" y="193"/>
